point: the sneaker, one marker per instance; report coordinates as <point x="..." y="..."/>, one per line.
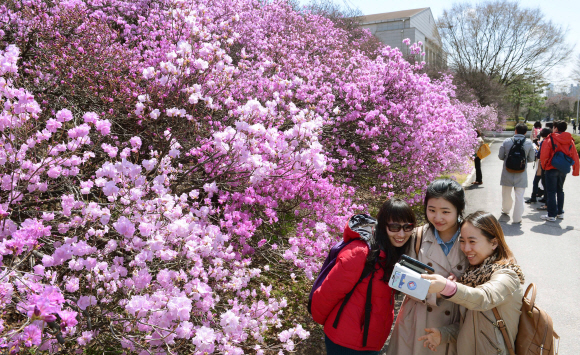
<point x="530" y="201"/>
<point x="561" y="216"/>
<point x="547" y="218"/>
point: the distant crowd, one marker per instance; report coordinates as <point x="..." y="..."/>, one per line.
<point x="554" y="151"/>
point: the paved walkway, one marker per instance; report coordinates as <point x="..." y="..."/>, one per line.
<point x="548" y="252"/>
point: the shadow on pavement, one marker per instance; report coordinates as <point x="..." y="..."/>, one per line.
<point x="557" y="228"/>
<point x="503" y="218"/>
<point x="535" y="216"/>
<point x="512" y="229"/>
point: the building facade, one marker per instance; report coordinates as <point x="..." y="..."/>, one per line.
<point x="575" y="90"/>
<point x="391" y="28"/>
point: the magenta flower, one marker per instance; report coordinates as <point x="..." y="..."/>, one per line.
<point x="31" y="336"/>
<point x="64" y="115"/>
<point x="85" y="338"/>
<point x="124" y="227"/>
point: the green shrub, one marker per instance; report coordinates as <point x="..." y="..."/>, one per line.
<point x="577" y="141"/>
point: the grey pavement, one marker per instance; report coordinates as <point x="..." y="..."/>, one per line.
<point x="548" y="252"/>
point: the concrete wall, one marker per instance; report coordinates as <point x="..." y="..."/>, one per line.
<point x="420" y="27"/>
<point x="394" y="38"/>
<point x="386" y="26"/>
<point x="425" y="23"/>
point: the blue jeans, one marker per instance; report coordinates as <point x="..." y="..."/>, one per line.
<point x="555" y="192"/>
<point x="335" y="349"/>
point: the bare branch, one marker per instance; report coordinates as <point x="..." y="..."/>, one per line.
<point x="501" y="39"/>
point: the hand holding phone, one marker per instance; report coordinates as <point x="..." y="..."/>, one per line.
<point x="415" y="265"/>
<point x="409" y="282"/>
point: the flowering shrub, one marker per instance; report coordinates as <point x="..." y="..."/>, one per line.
<point x="483" y="118"/>
<point x="170" y="169"/>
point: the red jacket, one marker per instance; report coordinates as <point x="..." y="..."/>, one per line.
<point x="327" y="299"/>
<point x="564" y="143"/>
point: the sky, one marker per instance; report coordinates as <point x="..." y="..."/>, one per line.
<point x="562" y="12"/>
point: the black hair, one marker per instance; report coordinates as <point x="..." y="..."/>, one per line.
<point x="545" y="132"/>
<point x="449" y="190"/>
<point x="521" y="128"/>
<point x="561" y="125"/>
<point x="537" y="124"/>
<point x="393" y="210"/>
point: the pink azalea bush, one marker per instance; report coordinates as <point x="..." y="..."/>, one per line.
<point x="170" y="170"/>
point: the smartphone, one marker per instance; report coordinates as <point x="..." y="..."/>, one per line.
<point x="409" y="282"/>
<point x="415" y="265"/>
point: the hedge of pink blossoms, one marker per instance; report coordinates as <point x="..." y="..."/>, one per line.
<point x="168" y="167"/>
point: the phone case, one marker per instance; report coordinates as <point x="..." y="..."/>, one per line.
<point x="409" y="282"/>
<point x="415" y="265"/>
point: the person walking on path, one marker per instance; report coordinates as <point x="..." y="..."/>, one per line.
<point x="515" y="149"/>
<point x="558" y="141"/>
<point x="539" y="172"/>
<point x="477" y="160"/>
<point x="535" y="136"/>
<point x="574" y="126"/>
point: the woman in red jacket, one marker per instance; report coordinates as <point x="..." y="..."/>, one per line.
<point x="380" y="249"/>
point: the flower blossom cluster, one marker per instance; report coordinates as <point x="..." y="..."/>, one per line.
<point x="170" y="170"/>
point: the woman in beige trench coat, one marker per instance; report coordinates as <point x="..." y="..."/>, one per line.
<point x="444" y="205"/>
<point x="494" y="280"/>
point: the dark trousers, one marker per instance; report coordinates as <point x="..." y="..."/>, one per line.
<point x="535" y="187"/>
<point x="543" y="184"/>
<point x="335" y="349"/>
<point x="555" y="192"/>
<point x="478" y="177"/>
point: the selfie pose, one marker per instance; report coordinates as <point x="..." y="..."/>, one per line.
<point x="354" y="302"/>
<point x="493" y="280"/>
<point x="438" y="247"/>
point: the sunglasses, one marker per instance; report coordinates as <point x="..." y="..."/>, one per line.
<point x="395" y="227"/>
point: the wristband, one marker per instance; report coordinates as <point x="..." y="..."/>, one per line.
<point x="450" y="288"/>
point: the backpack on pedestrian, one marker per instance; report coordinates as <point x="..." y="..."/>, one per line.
<point x="560" y="160"/>
<point x="516" y="158"/>
<point x="364" y="225"/>
<point x="536" y="333"/>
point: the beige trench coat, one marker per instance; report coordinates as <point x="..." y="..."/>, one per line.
<point x="434" y="312"/>
<point x="476" y="333"/>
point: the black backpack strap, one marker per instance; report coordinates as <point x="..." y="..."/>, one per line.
<point x="344" y="302"/>
<point x="366" y="271"/>
<point x="368" y="309"/>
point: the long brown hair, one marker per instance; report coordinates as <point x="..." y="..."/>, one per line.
<point x="491" y="229"/>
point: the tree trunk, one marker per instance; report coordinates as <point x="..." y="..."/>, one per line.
<point x="527" y="116"/>
<point x="517" y="113"/>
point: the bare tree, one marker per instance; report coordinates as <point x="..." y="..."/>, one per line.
<point x="343" y="16"/>
<point x="560" y="106"/>
<point x="576" y="72"/>
<point x="501" y="39"/>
